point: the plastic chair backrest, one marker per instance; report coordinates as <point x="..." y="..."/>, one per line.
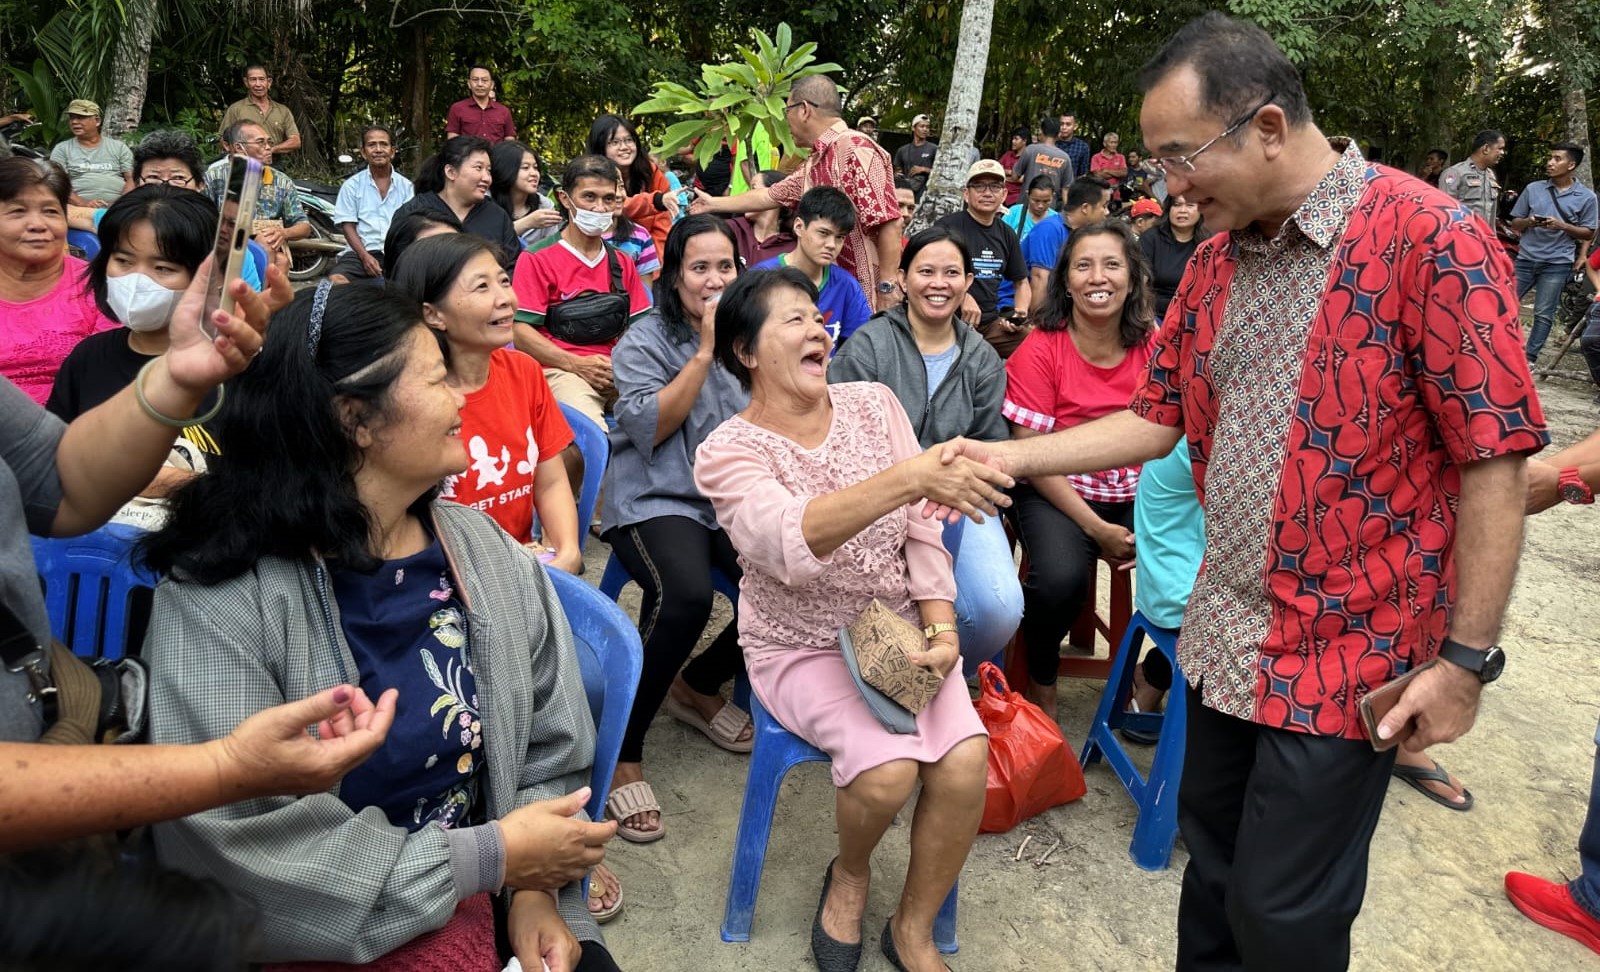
<point x="258" y="255"/>
<point x="86" y="241"/>
<point x="89" y="582"/>
<point x="596" y="449"/>
<point x="610" y="656"/>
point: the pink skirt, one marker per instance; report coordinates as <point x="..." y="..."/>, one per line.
<point x="809" y="691"/>
<point x="464" y="944"/>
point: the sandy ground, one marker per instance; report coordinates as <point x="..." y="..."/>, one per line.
<point x="1435" y="900"/>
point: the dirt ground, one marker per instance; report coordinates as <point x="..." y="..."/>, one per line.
<point x="1435" y="899"/>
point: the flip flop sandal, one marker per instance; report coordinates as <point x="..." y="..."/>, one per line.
<point x="1138" y="737"/>
<point x="604" y="914"/>
<point x="1418" y="777"/>
<point x="724" y="728"/>
<point x="630" y="800"/>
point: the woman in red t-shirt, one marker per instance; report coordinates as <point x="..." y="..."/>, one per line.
<point x="1093" y="337"/>
<point x="512" y="426"/>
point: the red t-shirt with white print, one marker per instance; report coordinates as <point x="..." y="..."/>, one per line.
<point x="510" y="425"/>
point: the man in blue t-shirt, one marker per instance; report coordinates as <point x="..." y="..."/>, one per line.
<point x="1088" y="201"/>
<point x="1553" y="215"/>
<point x="824" y="218"/>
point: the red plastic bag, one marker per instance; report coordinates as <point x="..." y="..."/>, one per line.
<point x="1031" y="767"/>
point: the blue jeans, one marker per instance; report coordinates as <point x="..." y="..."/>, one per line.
<point x="1546" y="281"/>
<point x="1590" y="342"/>
<point x="988" y="594"/>
<point x="1586" y="889"/>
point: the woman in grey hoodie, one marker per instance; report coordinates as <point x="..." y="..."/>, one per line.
<point x="951" y="383"/>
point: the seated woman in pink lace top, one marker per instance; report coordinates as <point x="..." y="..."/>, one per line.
<point x="818" y="487"/>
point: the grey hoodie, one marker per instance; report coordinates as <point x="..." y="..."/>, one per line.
<point x="966" y="403"/>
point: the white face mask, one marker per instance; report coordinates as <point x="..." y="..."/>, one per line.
<point x="139" y="302"/>
<point x="591" y="223"/>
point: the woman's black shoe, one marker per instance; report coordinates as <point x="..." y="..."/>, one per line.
<point x="889" y="951"/>
<point x="831" y="955"/>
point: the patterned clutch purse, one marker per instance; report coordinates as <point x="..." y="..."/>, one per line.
<point x="881" y="642"/>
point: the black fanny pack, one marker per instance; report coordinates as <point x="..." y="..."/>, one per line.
<point x="592" y="317"/>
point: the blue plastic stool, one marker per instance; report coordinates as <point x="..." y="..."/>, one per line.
<point x="88" y="587"/>
<point x="610" y="657"/>
<point x="596" y="449"/>
<point x="1157" y="796"/>
<point x="777" y="751"/>
<point x="86" y="241"/>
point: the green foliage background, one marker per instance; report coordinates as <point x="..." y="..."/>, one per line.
<point x="1400" y="75"/>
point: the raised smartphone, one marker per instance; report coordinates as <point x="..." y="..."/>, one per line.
<point x="236" y="217"/>
<point x="1375" y="705"/>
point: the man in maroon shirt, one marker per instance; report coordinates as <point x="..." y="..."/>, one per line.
<point x="480" y="114"/>
<point x="1346" y="366"/>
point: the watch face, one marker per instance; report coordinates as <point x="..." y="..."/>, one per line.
<point x="1493" y="664"/>
<point x="1571" y="493"/>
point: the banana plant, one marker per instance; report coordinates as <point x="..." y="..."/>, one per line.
<point x="733" y="99"/>
<point x="44" y="104"/>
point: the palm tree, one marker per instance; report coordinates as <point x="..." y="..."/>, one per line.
<point x="945" y="183"/>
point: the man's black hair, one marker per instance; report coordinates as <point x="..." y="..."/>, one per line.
<point x="1488" y="136"/>
<point x="829" y="203"/>
<point x="1239" y="65"/>
<point x="1085" y="192"/>
<point x="1573" y="149"/>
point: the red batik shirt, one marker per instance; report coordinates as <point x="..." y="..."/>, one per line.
<point x="860" y="168"/>
<point x="1330" y="382"/>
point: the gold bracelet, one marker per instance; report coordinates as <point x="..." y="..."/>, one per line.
<point x="168" y="421"/>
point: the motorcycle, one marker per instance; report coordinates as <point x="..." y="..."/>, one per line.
<point x="312" y="257"/>
<point x="10" y="132"/>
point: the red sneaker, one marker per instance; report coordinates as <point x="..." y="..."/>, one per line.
<point x="1551" y="905"/>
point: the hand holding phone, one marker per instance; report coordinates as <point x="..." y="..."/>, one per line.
<point x="236" y="216"/>
<point x="1376" y="704"/>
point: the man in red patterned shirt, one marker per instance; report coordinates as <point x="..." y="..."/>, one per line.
<point x="848" y="160"/>
<point x="1346" y="364"/>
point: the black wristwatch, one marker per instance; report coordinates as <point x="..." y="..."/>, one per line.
<point x="1486" y="663"/>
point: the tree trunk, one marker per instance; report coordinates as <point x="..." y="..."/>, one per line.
<point x="415" y="81"/>
<point x="131" y="67"/>
<point x="1575" y="106"/>
<point x="949" y="175"/>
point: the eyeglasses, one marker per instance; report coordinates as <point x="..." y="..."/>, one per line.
<point x="255" y="141"/>
<point x="156" y="179"/>
<point x="622" y="142"/>
<point x="987" y="188"/>
<point x="1181" y="164"/>
<point x="796" y="104"/>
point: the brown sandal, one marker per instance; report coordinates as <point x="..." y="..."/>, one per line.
<point x="604" y="914"/>
<point x="630" y="800"/>
<point x="725" y="727"/>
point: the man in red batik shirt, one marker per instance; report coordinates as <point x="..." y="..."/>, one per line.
<point x="1346" y="366"/>
<point x="847" y="160"/>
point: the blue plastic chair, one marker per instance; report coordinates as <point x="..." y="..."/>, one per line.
<point x="89" y="583"/>
<point x="86" y="241"/>
<point x="777" y="751"/>
<point x="1156" y="796"/>
<point x="596" y="450"/>
<point x="258" y="256"/>
<point x="610" y="657"/>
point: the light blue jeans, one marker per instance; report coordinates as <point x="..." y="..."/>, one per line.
<point x="988" y="594"/>
<point x="1546" y="280"/>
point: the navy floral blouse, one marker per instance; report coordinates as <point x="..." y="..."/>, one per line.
<point x="408" y="631"/>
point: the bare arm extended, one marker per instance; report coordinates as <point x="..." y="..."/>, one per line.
<point x="56" y="793"/>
